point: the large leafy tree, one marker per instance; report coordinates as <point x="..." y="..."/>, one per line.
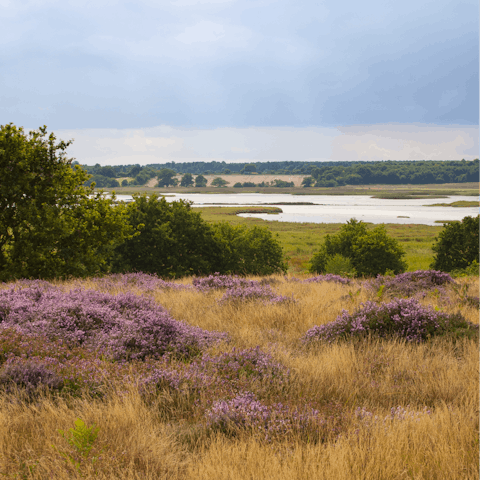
<point x="51" y="224"/>
<point x="371" y="252"/>
<point x="456" y="246"/>
<point x="174" y="241"/>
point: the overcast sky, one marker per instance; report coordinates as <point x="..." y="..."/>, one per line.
<point x="150" y="81"/>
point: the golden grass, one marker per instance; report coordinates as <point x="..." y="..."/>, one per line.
<point x="143" y="440"/>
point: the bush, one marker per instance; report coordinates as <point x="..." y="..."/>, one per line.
<point x="339" y="265"/>
<point x="172" y="240"/>
<point x="404" y="318"/>
<point x="371" y="252"/>
<point x="249" y="251"/>
<point x="457" y="245"/>
<point x="51" y="224"/>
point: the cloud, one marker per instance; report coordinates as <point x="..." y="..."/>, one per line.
<point x="311" y="144"/>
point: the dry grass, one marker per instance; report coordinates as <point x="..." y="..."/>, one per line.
<point x="140" y="442"/>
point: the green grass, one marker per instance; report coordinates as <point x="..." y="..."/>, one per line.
<point x="301" y="240"/>
<point x="460" y="203"/>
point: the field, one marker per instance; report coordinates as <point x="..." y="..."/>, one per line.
<point x="301" y="240"/>
<point x="254" y="401"/>
<point x="435" y="190"/>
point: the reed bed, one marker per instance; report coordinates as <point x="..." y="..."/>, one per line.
<point x="251" y="399"/>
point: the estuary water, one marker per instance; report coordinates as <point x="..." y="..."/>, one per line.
<point x="335" y="208"/>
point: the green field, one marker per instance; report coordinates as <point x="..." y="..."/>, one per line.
<point x="301" y="240"/>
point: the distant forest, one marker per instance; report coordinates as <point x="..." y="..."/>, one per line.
<point x="317" y="174"/>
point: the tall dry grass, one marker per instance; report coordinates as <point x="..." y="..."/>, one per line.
<point x="151" y="440"/>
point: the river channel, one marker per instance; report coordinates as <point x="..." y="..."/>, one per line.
<point x="335" y="208"/>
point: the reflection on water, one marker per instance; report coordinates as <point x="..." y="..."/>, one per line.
<point x="336" y="208"/>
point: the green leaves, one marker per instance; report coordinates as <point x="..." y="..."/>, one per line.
<point x="51" y="225"/>
<point x="457" y="245"/>
<point x="371" y="252"/>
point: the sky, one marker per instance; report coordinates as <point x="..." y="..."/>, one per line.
<point x="152" y="81"/>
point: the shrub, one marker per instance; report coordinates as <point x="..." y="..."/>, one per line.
<point x="124" y="326"/>
<point x="249" y="250"/>
<point x="404" y="318"/>
<point x="371" y="252"/>
<point x="339" y="265"/>
<point x="411" y="283"/>
<point x="172" y="240"/>
<point x="254" y="292"/>
<point x="457" y="245"/>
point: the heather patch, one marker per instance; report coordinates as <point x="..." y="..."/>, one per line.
<point x="123" y="326"/>
<point x="328" y="277"/>
<point x="219" y="282"/>
<point x="263" y="293"/>
<point x="404" y="318"/>
<point x="411" y="283"/>
<point x="244" y="413"/>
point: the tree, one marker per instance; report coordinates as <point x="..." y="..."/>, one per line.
<point x="371" y="252"/>
<point x="166" y="177"/>
<point x="187" y="180"/>
<point x="219" y="182"/>
<point x="200" y="181"/>
<point x="308" y="182"/>
<point x="51" y="224"/>
<point x="174" y="241"/>
<point x="456" y="246"/>
<point x="249" y="168"/>
<point x="248" y="251"/>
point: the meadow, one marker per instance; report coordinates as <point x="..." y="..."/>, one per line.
<point x="281" y="377"/>
<point x="300" y="241"/>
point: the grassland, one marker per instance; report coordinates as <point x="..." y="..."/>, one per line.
<point x="469" y="189"/>
<point x="459" y="204"/>
<point x="301" y="240"/>
<point x="391" y="409"/>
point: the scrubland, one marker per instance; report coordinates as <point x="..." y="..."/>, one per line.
<point x="237" y="391"/>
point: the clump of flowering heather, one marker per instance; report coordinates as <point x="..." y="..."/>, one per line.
<point x="30" y="375"/>
<point x="124" y="326"/>
<point x="245" y="413"/>
<point x="248" y="363"/>
<point x="218" y="282"/>
<point x="410" y="283"/>
<point x="404" y="318"/>
<point x="263" y="293"/>
<point x="143" y="281"/>
<point x="328" y="277"/>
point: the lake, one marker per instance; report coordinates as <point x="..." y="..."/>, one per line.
<point x="335" y="208"/>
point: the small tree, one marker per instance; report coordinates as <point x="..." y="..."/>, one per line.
<point x="51" y="224"/>
<point x="456" y="246"/>
<point x="187" y="180"/>
<point x="200" y="181"/>
<point x="174" y="240"/>
<point x="219" y="182"/>
<point x="166" y="177"/>
<point x="371" y="252"/>
<point x="249" y="251"/>
<point x="308" y="182"/>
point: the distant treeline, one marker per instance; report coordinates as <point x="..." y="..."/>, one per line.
<point x="318" y="174"/>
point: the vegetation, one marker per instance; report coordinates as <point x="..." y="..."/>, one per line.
<point x="229" y="389"/>
<point x="51" y="225"/>
<point x="173" y="240"/>
<point x="371" y="252"/>
<point x="459" y="204"/>
<point x="457" y="245"/>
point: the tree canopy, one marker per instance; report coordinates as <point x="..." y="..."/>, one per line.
<point x="51" y="224"/>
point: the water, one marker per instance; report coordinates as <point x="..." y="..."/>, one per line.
<point x="336" y="208"/>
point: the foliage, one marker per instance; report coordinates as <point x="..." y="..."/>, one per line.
<point x="339" y="265"/>
<point x="371" y="252"/>
<point x="410" y="283"/>
<point x="219" y="182"/>
<point x="187" y="180"/>
<point x="123" y="327"/>
<point x="249" y="251"/>
<point x="174" y="241"/>
<point x="457" y="245"/>
<point x="200" y="181"/>
<point x="50" y="224"/>
<point x="166" y="177"/>
<point x="404" y="318"/>
<point x="253" y="292"/>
